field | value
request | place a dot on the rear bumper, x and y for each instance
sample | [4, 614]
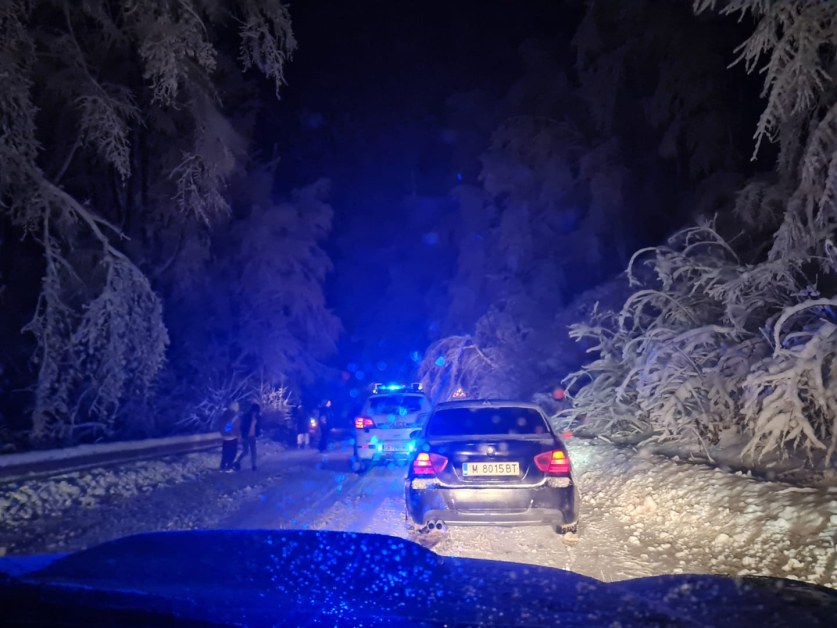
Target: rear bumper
[383, 445]
[372, 454]
[542, 505]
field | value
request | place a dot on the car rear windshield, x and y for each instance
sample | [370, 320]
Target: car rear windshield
[486, 421]
[398, 405]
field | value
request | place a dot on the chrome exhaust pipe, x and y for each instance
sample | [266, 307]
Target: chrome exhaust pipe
[431, 525]
[441, 526]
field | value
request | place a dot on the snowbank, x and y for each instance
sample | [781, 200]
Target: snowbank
[20, 502]
[730, 522]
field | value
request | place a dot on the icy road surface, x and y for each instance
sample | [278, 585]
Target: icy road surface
[639, 516]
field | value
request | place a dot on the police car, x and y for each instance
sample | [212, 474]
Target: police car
[382, 431]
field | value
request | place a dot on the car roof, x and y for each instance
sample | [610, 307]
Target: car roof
[398, 393]
[474, 404]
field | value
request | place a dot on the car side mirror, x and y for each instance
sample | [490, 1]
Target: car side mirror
[415, 434]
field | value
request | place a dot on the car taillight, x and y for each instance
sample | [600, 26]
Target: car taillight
[553, 462]
[429, 464]
[362, 422]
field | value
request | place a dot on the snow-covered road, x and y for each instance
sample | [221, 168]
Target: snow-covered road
[641, 516]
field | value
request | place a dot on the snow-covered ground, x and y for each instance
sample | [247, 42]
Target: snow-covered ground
[24, 501]
[641, 515]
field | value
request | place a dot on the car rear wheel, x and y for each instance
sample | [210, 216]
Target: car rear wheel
[359, 466]
[570, 529]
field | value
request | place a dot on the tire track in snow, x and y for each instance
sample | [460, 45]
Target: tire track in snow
[374, 504]
[601, 549]
[309, 487]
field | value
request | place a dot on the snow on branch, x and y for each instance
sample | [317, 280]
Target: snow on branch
[172, 42]
[798, 39]
[116, 141]
[753, 353]
[267, 40]
[456, 362]
[104, 125]
[94, 357]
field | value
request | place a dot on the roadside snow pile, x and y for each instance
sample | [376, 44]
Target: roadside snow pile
[26, 500]
[176, 493]
[20, 502]
[701, 518]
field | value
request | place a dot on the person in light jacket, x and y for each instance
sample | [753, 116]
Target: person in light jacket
[229, 425]
[303, 427]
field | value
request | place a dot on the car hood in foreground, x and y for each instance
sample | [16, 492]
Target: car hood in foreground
[235, 577]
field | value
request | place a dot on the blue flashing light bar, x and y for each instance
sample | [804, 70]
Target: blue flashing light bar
[394, 387]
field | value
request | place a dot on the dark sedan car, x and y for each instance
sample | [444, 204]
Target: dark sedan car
[490, 463]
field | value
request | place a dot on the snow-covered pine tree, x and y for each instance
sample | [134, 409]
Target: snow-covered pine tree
[259, 298]
[662, 367]
[741, 340]
[789, 395]
[113, 126]
[564, 162]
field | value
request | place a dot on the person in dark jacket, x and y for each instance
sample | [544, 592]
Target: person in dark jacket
[325, 416]
[229, 426]
[250, 429]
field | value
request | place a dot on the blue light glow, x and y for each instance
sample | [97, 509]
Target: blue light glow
[440, 361]
[431, 238]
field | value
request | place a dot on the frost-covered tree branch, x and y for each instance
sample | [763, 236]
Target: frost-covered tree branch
[114, 135]
[710, 345]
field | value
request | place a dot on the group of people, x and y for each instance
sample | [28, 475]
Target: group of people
[235, 427]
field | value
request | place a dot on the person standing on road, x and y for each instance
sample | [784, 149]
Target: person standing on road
[302, 427]
[325, 416]
[250, 429]
[230, 429]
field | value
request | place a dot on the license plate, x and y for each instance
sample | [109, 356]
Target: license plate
[490, 468]
[394, 448]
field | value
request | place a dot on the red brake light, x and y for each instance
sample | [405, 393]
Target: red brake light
[553, 462]
[362, 422]
[429, 464]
